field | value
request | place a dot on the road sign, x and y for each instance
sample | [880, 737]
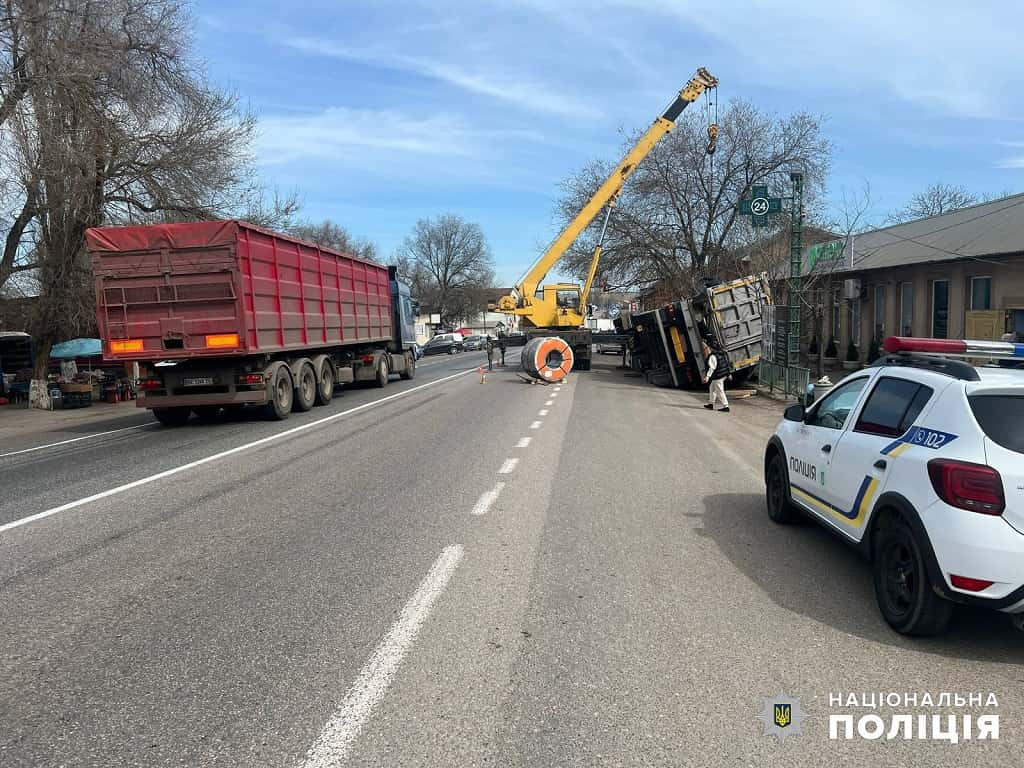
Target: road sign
[614, 311]
[759, 205]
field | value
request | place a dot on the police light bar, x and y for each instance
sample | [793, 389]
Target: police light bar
[1004, 350]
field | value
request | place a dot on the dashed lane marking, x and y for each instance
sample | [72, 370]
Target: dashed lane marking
[339, 735]
[487, 498]
[523, 442]
[542, 412]
[508, 467]
[535, 425]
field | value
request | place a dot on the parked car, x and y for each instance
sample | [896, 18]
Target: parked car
[473, 342]
[444, 343]
[516, 339]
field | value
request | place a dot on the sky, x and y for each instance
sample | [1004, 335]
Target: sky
[384, 112]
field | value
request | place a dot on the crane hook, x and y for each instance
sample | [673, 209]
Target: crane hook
[712, 138]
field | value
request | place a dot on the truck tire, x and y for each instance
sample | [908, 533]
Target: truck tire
[382, 373]
[324, 380]
[172, 417]
[305, 388]
[207, 414]
[410, 367]
[282, 393]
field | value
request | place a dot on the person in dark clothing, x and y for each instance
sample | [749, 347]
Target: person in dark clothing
[502, 343]
[489, 347]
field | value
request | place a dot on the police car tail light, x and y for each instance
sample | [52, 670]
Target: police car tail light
[969, 584]
[974, 487]
[1005, 350]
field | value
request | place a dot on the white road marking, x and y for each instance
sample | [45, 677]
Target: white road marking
[487, 498]
[221, 455]
[535, 425]
[554, 394]
[508, 466]
[550, 402]
[542, 412]
[523, 442]
[73, 440]
[339, 735]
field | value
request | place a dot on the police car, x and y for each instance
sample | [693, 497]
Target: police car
[917, 460]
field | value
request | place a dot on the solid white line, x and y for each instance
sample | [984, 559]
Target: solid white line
[487, 498]
[508, 466]
[72, 440]
[339, 735]
[523, 442]
[221, 455]
[550, 402]
[535, 425]
[542, 412]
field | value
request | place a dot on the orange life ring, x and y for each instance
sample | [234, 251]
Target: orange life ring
[548, 358]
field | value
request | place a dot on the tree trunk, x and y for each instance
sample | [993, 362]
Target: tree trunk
[39, 395]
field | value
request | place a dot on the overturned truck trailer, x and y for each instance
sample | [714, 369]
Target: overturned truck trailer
[667, 342]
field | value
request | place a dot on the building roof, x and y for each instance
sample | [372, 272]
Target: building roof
[995, 228]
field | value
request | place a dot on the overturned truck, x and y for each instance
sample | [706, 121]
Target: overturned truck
[667, 343]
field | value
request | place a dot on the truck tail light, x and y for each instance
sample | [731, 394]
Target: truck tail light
[125, 345]
[971, 585]
[367, 359]
[253, 379]
[222, 340]
[974, 487]
[147, 384]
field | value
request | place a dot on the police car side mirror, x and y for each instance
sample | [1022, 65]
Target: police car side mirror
[794, 412]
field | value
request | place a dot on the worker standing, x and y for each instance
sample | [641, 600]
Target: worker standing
[489, 347]
[502, 343]
[717, 370]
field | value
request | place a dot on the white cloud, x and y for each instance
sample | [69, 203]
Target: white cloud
[1016, 161]
[529, 94]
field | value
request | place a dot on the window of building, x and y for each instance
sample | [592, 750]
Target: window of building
[940, 309]
[906, 309]
[855, 321]
[879, 328]
[981, 293]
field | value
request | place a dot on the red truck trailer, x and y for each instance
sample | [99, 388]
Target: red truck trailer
[223, 314]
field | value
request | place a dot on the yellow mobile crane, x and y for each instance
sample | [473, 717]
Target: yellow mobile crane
[560, 308]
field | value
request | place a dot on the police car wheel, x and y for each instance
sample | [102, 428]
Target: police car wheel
[780, 506]
[902, 587]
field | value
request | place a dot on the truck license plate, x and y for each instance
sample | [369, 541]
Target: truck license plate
[199, 382]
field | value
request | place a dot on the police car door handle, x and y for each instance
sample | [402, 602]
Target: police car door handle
[880, 464]
[826, 448]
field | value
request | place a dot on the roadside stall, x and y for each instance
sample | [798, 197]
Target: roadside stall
[79, 376]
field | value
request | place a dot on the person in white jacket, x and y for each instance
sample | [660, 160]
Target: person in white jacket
[717, 370]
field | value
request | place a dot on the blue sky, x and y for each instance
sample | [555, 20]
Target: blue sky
[382, 112]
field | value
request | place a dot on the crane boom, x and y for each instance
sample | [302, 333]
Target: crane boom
[550, 309]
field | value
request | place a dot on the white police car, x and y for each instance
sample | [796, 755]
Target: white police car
[918, 461]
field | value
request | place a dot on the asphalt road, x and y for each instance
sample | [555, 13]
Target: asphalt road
[445, 572]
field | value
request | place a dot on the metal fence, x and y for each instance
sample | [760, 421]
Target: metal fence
[789, 381]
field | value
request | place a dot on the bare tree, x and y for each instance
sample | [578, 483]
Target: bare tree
[448, 264]
[678, 217]
[330, 234]
[107, 119]
[936, 199]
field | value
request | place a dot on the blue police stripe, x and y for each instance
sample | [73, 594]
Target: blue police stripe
[1018, 350]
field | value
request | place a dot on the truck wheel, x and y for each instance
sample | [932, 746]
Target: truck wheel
[325, 383]
[410, 367]
[172, 417]
[305, 389]
[281, 394]
[382, 373]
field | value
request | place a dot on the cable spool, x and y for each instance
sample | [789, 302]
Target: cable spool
[547, 358]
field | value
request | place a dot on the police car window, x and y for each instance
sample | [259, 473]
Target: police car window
[834, 409]
[889, 406]
[1002, 418]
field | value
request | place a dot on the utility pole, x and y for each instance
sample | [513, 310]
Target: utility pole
[795, 265]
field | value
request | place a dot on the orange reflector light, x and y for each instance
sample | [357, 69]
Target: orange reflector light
[126, 345]
[222, 340]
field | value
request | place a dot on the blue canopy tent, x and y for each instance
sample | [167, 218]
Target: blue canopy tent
[69, 350]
